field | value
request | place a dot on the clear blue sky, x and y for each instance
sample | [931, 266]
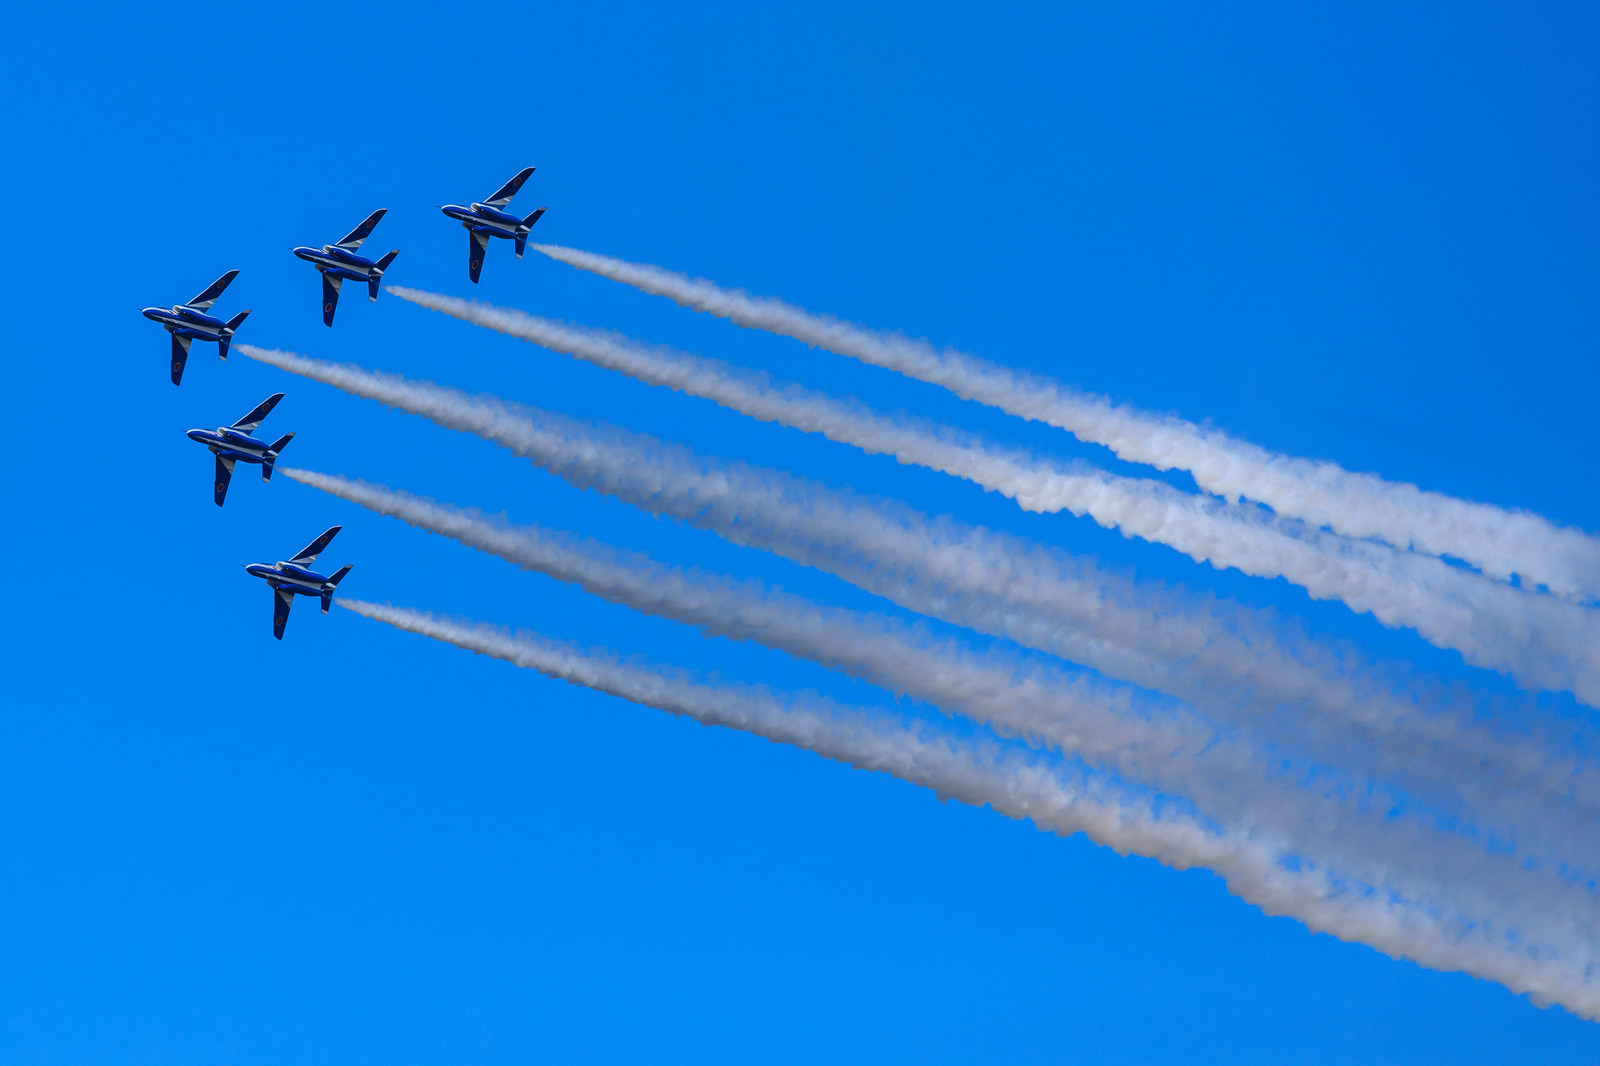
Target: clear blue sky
[1367, 233]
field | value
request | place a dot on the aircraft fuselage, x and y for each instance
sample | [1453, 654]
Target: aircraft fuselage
[230, 443]
[184, 321]
[331, 259]
[290, 577]
[483, 219]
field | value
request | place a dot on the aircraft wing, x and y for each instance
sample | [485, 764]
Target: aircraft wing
[480, 244]
[307, 555]
[508, 190]
[249, 422]
[330, 298]
[282, 600]
[180, 356]
[224, 475]
[353, 239]
[209, 296]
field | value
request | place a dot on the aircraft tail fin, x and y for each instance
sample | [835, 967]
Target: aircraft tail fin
[272, 455]
[327, 590]
[522, 231]
[232, 324]
[376, 277]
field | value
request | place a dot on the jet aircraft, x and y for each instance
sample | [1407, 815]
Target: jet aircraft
[234, 444]
[339, 262]
[189, 322]
[291, 576]
[486, 219]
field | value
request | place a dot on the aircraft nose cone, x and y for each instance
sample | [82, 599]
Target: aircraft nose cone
[197, 434]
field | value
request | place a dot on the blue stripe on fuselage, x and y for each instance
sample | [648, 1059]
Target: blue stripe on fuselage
[350, 259]
[340, 265]
[190, 324]
[234, 445]
[485, 220]
[286, 575]
[497, 217]
[202, 321]
[300, 573]
[239, 438]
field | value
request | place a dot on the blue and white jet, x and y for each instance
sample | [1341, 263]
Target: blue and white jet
[339, 262]
[189, 322]
[486, 219]
[235, 444]
[291, 576]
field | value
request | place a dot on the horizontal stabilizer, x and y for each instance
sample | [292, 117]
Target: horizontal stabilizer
[353, 239]
[180, 356]
[383, 264]
[504, 194]
[249, 422]
[281, 443]
[209, 295]
[224, 475]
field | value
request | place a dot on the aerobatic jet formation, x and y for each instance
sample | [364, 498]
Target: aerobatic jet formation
[289, 577]
[235, 444]
[487, 219]
[189, 322]
[339, 262]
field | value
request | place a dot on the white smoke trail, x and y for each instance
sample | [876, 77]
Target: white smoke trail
[1216, 657]
[1056, 800]
[1500, 542]
[1320, 815]
[1541, 641]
